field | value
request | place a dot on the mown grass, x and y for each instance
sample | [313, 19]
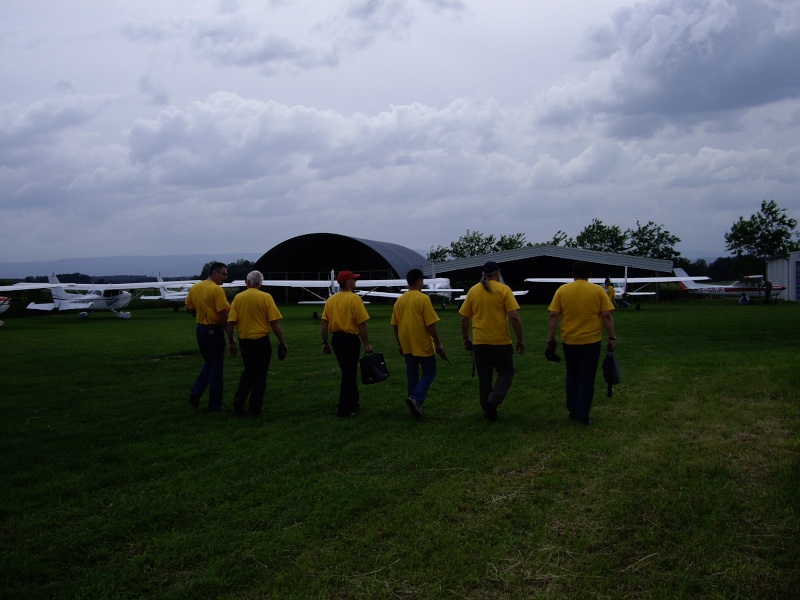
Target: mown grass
[686, 486]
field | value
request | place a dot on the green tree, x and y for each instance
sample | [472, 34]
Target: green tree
[766, 233]
[474, 243]
[600, 237]
[651, 241]
[438, 254]
[237, 269]
[561, 238]
[511, 242]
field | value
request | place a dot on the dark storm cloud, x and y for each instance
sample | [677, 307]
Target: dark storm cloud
[685, 63]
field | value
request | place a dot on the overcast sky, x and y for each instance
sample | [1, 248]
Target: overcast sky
[176, 127]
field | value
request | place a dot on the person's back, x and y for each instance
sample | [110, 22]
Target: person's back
[489, 312]
[580, 304]
[412, 313]
[206, 299]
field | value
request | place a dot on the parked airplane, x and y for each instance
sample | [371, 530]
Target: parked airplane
[88, 298]
[621, 283]
[752, 286]
[4, 304]
[174, 292]
[366, 287]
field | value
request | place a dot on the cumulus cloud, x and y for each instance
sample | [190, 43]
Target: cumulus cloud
[681, 113]
[674, 62]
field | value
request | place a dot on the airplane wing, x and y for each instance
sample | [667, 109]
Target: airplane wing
[85, 287]
[516, 293]
[601, 280]
[302, 283]
[34, 306]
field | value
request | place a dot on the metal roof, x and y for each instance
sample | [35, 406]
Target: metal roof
[400, 258]
[591, 256]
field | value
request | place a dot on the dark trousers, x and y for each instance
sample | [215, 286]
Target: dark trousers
[581, 362]
[347, 348]
[256, 356]
[211, 341]
[488, 359]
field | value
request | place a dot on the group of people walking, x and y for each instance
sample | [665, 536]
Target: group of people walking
[583, 310]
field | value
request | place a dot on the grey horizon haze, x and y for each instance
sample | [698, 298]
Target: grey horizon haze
[204, 127]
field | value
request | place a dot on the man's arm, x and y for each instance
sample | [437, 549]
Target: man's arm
[223, 320]
[432, 331]
[326, 349]
[516, 325]
[397, 337]
[362, 331]
[608, 323]
[276, 327]
[465, 323]
[552, 324]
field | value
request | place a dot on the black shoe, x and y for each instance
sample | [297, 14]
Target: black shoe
[345, 415]
[219, 408]
[586, 422]
[238, 406]
[494, 402]
[572, 415]
[490, 413]
[414, 406]
[194, 399]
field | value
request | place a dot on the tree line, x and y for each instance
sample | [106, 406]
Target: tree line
[768, 232]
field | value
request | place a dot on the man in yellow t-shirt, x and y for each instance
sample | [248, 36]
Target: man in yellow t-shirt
[610, 291]
[414, 322]
[489, 307]
[255, 315]
[584, 309]
[207, 301]
[345, 318]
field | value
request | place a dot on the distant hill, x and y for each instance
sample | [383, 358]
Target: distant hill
[172, 265]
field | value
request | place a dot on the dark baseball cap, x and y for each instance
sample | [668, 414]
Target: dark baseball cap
[490, 267]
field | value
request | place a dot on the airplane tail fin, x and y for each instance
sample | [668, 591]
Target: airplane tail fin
[686, 284]
[59, 293]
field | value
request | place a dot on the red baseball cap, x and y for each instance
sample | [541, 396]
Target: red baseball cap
[343, 276]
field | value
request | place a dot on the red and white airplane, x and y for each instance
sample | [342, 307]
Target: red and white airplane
[621, 284]
[752, 286]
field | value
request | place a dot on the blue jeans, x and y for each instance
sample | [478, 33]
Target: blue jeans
[418, 386]
[211, 340]
[581, 372]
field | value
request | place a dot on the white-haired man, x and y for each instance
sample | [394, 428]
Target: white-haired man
[255, 315]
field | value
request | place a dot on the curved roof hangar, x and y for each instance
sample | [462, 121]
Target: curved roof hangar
[314, 255]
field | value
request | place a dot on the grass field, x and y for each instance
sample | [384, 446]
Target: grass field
[686, 486]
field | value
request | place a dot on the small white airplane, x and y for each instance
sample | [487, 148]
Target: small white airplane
[621, 283]
[172, 291]
[87, 298]
[463, 297]
[752, 286]
[5, 303]
[366, 287]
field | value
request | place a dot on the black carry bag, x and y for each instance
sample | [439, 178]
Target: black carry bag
[373, 368]
[610, 372]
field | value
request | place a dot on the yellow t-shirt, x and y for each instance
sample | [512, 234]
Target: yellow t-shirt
[489, 312]
[611, 292]
[580, 303]
[344, 311]
[252, 310]
[207, 299]
[412, 314]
